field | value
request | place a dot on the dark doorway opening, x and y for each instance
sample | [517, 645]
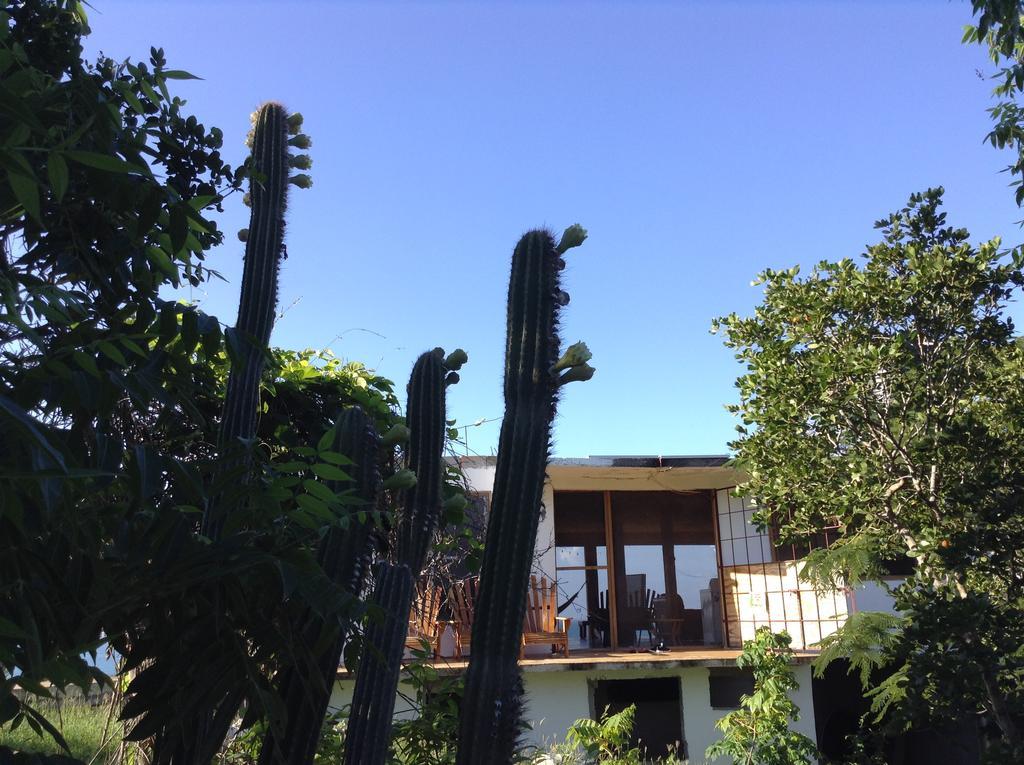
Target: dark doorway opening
[839, 709]
[658, 725]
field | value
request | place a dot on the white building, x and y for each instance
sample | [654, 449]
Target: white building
[657, 550]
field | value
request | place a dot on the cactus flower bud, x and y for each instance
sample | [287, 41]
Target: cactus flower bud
[247, 199]
[294, 123]
[301, 141]
[243, 235]
[456, 502]
[575, 355]
[563, 297]
[301, 180]
[577, 374]
[451, 378]
[456, 359]
[397, 434]
[571, 237]
[301, 162]
[403, 479]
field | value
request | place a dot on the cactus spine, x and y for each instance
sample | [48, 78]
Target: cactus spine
[373, 701]
[343, 555]
[491, 707]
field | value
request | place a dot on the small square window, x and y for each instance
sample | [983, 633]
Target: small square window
[727, 684]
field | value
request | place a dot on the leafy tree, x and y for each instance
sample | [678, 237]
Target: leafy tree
[103, 202]
[110, 398]
[999, 27]
[886, 397]
[758, 733]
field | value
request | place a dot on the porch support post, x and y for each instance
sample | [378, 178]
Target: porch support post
[613, 617]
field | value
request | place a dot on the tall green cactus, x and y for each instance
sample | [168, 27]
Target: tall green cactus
[373, 701]
[425, 418]
[269, 170]
[344, 555]
[491, 707]
[198, 740]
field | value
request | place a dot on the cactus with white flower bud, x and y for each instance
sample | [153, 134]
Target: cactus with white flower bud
[491, 707]
[373, 699]
[264, 249]
[397, 434]
[197, 739]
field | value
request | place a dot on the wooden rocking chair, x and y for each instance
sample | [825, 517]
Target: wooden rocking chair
[461, 603]
[542, 624]
[423, 622]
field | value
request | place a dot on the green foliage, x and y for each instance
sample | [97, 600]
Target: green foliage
[999, 28]
[533, 374]
[81, 725]
[244, 748]
[108, 185]
[758, 733]
[864, 639]
[428, 738]
[111, 399]
[885, 398]
[589, 742]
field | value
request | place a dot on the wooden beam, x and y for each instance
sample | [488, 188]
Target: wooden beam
[613, 619]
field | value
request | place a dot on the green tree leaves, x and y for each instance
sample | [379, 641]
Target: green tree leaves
[759, 734]
[884, 397]
[998, 27]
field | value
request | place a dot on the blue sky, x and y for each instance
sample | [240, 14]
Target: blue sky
[698, 142]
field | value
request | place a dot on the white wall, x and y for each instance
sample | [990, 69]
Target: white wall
[341, 698]
[544, 563]
[871, 596]
[481, 479]
[555, 700]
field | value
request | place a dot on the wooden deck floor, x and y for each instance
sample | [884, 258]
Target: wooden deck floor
[603, 659]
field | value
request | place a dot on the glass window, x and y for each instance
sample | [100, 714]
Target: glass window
[667, 569]
[581, 563]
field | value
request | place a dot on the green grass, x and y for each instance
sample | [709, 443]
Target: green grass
[80, 724]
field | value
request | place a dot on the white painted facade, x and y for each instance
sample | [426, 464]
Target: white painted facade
[556, 699]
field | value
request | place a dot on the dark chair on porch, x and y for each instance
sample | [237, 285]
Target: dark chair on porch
[668, 618]
[635, 616]
[674, 623]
